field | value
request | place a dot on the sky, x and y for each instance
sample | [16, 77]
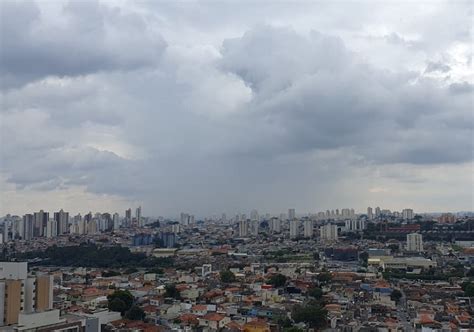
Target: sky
[208, 107]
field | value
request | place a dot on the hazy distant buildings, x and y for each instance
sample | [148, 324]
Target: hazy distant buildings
[414, 242]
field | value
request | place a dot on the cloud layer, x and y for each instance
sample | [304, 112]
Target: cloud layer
[111, 102]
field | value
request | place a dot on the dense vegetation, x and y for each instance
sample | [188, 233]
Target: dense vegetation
[311, 313]
[227, 276]
[89, 255]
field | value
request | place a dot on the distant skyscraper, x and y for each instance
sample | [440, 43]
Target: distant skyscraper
[370, 213]
[40, 222]
[28, 222]
[116, 221]
[407, 214]
[291, 214]
[329, 232]
[308, 228]
[184, 219]
[138, 215]
[377, 212]
[414, 242]
[275, 225]
[294, 228]
[243, 228]
[255, 227]
[62, 222]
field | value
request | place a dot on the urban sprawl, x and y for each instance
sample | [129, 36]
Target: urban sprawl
[336, 270]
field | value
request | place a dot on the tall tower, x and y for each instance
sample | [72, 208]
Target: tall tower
[370, 213]
[291, 214]
[415, 242]
[308, 228]
[243, 228]
[294, 228]
[62, 222]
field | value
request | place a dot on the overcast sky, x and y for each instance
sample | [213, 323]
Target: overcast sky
[225, 106]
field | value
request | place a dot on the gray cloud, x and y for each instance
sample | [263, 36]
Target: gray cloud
[271, 115]
[86, 38]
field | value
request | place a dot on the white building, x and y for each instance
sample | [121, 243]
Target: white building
[243, 228]
[407, 214]
[275, 225]
[308, 228]
[328, 232]
[415, 242]
[116, 221]
[294, 228]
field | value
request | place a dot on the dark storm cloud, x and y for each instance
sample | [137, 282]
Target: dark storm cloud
[86, 38]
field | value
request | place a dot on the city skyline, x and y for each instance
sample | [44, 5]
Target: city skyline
[208, 108]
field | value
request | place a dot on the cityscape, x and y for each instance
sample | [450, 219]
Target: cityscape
[236, 166]
[339, 269]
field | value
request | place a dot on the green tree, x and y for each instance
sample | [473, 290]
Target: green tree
[171, 291]
[227, 276]
[117, 305]
[277, 280]
[292, 329]
[396, 295]
[316, 292]
[120, 301]
[324, 277]
[313, 315]
[364, 258]
[135, 313]
[468, 289]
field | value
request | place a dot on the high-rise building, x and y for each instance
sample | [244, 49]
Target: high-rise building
[291, 214]
[370, 213]
[415, 242]
[40, 221]
[255, 227]
[294, 228]
[62, 221]
[328, 232]
[377, 212]
[116, 221]
[407, 214]
[308, 228]
[138, 215]
[128, 213]
[243, 228]
[28, 222]
[20, 293]
[275, 225]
